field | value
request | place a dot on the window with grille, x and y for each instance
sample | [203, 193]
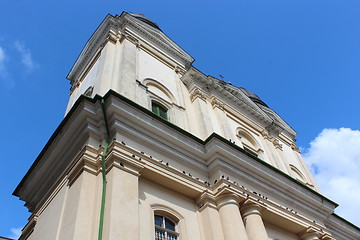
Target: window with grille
[165, 229]
[159, 110]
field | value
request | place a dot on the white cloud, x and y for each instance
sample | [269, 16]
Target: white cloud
[26, 58]
[2, 55]
[2, 62]
[16, 233]
[334, 158]
[4, 74]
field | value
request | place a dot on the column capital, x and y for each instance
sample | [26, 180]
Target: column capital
[327, 236]
[310, 234]
[250, 208]
[206, 199]
[254, 225]
[227, 198]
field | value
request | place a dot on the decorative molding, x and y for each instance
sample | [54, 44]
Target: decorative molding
[232, 98]
[227, 198]
[113, 36]
[197, 93]
[250, 208]
[207, 199]
[167, 210]
[295, 148]
[215, 103]
[29, 227]
[277, 144]
[266, 135]
[310, 233]
[274, 129]
[89, 160]
[179, 70]
[123, 26]
[273, 140]
[156, 36]
[326, 236]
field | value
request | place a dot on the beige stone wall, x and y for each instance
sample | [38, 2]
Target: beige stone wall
[143, 77]
[277, 233]
[154, 198]
[212, 190]
[50, 217]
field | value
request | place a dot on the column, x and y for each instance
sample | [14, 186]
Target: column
[211, 223]
[231, 221]
[253, 222]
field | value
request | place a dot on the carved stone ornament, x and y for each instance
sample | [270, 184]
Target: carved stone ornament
[215, 103]
[274, 129]
[277, 144]
[113, 36]
[266, 135]
[273, 140]
[295, 148]
[197, 93]
[179, 70]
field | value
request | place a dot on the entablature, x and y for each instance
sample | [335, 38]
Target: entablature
[178, 147]
[209, 87]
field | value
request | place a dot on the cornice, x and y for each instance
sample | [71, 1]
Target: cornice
[159, 39]
[126, 26]
[240, 167]
[279, 124]
[199, 153]
[194, 79]
[92, 45]
[341, 228]
[216, 103]
[197, 93]
[224, 191]
[29, 227]
[213, 87]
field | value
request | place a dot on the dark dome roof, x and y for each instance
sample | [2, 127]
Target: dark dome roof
[144, 19]
[253, 97]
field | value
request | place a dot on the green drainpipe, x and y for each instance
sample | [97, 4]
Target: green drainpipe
[103, 171]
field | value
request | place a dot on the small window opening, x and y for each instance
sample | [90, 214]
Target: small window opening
[159, 110]
[165, 229]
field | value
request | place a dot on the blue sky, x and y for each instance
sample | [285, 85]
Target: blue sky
[300, 57]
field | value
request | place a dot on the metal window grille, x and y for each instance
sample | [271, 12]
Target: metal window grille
[165, 229]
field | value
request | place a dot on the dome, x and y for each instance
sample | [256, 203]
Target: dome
[144, 19]
[253, 97]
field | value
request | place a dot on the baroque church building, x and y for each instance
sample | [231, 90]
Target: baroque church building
[152, 148]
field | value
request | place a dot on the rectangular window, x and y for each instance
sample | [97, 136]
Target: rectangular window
[159, 110]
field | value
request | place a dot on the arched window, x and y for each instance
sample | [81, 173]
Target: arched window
[298, 174]
[248, 142]
[165, 228]
[159, 110]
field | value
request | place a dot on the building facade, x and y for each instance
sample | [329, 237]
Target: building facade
[152, 148]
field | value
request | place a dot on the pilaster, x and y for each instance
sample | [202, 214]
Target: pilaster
[253, 222]
[222, 119]
[199, 100]
[121, 219]
[210, 218]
